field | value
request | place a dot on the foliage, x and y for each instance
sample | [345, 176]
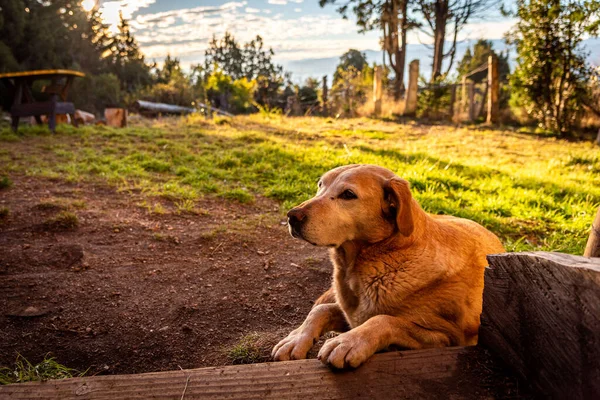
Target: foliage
[551, 77]
[393, 18]
[434, 101]
[60, 34]
[95, 92]
[25, 371]
[229, 94]
[172, 86]
[250, 61]
[351, 89]
[126, 60]
[536, 193]
[351, 58]
[479, 56]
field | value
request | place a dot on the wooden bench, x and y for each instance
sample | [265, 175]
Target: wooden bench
[540, 337]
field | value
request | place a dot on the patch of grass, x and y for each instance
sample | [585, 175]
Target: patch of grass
[24, 371]
[4, 212]
[249, 350]
[63, 221]
[5, 182]
[240, 195]
[535, 192]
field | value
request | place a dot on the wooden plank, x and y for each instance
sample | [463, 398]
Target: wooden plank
[451, 373]
[41, 73]
[592, 249]
[541, 315]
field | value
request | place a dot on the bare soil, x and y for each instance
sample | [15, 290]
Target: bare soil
[128, 290]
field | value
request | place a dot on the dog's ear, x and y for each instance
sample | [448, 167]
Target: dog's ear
[399, 201]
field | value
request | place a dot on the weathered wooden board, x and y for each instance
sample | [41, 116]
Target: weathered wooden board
[541, 315]
[451, 373]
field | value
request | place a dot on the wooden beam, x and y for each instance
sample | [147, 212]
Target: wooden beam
[592, 249]
[541, 315]
[450, 373]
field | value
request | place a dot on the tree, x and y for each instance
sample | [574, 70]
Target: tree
[392, 17]
[446, 18]
[551, 77]
[250, 61]
[351, 58]
[126, 60]
[481, 52]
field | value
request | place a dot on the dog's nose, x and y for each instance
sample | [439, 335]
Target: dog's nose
[295, 217]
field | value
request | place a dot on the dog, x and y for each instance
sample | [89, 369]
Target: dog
[402, 278]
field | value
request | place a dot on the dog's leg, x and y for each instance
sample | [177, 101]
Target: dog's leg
[321, 319]
[326, 298]
[354, 347]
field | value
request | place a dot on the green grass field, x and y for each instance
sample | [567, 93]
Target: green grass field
[537, 193]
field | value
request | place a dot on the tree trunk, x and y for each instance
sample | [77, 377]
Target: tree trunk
[439, 37]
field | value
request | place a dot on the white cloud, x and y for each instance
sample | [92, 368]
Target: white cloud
[297, 9]
[278, 2]
[185, 33]
[110, 10]
[297, 1]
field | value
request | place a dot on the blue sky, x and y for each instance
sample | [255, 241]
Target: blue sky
[295, 29]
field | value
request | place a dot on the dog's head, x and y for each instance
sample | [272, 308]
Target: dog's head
[365, 203]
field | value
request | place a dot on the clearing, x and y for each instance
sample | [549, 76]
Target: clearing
[163, 245]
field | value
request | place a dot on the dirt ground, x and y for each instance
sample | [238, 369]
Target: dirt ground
[131, 290]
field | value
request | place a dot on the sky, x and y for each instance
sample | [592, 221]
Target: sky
[295, 29]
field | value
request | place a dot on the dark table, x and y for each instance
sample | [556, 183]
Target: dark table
[23, 103]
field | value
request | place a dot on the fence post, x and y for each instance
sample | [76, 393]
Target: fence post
[493, 91]
[324, 95]
[471, 91]
[377, 90]
[410, 104]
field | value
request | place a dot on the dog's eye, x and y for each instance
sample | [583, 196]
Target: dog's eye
[348, 195]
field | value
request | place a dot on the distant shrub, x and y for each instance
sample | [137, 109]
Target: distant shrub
[178, 90]
[94, 93]
[227, 94]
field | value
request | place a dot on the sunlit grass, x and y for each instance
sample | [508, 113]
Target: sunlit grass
[537, 193]
[25, 371]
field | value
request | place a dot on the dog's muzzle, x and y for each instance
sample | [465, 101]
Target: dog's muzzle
[296, 219]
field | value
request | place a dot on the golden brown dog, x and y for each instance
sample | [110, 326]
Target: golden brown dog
[401, 276]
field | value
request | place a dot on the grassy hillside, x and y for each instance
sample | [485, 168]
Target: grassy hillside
[536, 193]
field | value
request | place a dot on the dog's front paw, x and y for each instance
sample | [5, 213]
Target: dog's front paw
[349, 349]
[294, 347]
